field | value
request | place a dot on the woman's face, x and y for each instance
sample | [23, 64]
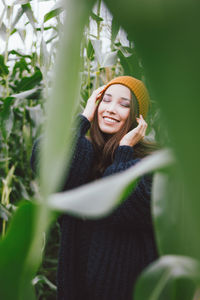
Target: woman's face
[114, 108]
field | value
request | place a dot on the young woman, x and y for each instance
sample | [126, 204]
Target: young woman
[101, 259]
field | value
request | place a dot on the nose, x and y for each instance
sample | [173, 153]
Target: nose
[111, 107]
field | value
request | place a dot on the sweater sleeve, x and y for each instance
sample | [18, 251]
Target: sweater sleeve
[81, 159]
[135, 210]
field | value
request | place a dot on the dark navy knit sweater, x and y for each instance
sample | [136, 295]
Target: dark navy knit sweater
[101, 259]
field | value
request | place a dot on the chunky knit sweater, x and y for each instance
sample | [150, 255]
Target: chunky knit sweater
[101, 259]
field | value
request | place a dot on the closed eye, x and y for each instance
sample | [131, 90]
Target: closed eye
[125, 104]
[105, 100]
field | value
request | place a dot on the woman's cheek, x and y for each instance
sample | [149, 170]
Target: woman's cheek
[101, 107]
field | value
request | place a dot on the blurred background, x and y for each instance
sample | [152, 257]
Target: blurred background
[29, 38]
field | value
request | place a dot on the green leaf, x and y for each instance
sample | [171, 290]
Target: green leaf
[96, 17]
[104, 59]
[114, 29]
[4, 213]
[28, 11]
[3, 31]
[90, 50]
[7, 118]
[160, 279]
[20, 2]
[126, 51]
[96, 199]
[13, 31]
[53, 13]
[97, 46]
[36, 114]
[109, 59]
[131, 64]
[9, 176]
[18, 16]
[14, 52]
[62, 102]
[26, 94]
[44, 279]
[3, 68]
[2, 15]
[31, 82]
[20, 65]
[21, 251]
[13, 253]
[51, 38]
[44, 55]
[169, 203]
[24, 193]
[2, 25]
[22, 33]
[47, 28]
[169, 46]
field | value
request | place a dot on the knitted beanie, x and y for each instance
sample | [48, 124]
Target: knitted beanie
[137, 87]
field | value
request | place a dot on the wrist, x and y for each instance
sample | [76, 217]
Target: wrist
[84, 113]
[125, 143]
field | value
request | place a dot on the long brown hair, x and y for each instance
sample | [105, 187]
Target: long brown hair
[105, 145]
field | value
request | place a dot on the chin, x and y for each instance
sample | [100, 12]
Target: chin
[109, 132]
[106, 130]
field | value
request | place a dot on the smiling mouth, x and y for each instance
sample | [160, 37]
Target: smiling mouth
[110, 120]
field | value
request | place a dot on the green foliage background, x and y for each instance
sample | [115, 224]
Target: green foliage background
[33, 100]
[25, 84]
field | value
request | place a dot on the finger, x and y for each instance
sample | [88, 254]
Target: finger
[140, 119]
[140, 130]
[142, 122]
[144, 131]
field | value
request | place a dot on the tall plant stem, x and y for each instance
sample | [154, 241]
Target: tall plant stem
[6, 152]
[6, 190]
[8, 31]
[87, 59]
[98, 22]
[98, 38]
[88, 65]
[4, 221]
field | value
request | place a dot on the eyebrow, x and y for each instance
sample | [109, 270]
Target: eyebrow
[121, 97]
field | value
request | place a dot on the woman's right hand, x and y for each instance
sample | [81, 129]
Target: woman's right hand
[92, 104]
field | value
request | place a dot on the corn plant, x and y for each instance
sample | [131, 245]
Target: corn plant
[166, 41]
[24, 80]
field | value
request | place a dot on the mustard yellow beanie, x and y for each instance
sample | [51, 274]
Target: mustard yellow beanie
[137, 87]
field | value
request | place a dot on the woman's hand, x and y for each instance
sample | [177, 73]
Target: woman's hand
[92, 104]
[135, 135]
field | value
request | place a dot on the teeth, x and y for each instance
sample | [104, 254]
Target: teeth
[110, 120]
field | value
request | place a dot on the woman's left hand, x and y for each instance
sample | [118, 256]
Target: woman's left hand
[135, 135]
